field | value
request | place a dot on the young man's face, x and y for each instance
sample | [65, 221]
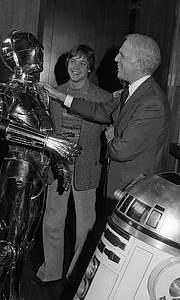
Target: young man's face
[126, 63]
[78, 68]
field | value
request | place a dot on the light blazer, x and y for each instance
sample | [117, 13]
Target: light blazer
[141, 132]
[87, 168]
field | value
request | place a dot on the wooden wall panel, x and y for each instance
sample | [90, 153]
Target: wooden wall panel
[100, 24]
[156, 18]
[19, 14]
[173, 90]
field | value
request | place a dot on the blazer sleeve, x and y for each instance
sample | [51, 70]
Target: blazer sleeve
[93, 111]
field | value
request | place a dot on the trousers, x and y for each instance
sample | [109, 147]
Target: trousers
[54, 226]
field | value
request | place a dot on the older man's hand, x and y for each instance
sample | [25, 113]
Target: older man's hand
[52, 91]
[109, 133]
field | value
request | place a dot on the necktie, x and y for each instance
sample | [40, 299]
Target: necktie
[124, 95]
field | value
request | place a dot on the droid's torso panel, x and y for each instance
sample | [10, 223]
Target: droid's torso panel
[25, 104]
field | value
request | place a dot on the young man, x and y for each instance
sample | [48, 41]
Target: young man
[138, 139]
[86, 170]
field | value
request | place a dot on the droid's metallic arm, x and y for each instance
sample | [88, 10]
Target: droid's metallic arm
[27, 136]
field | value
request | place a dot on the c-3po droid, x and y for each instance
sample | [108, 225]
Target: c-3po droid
[138, 254]
[26, 124]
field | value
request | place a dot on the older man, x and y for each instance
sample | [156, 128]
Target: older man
[138, 138]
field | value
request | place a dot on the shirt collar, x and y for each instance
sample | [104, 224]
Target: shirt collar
[136, 84]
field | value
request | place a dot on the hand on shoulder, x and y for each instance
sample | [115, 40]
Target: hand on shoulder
[52, 91]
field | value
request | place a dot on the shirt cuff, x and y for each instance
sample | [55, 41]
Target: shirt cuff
[68, 100]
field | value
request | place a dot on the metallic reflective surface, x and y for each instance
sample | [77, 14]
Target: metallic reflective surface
[26, 124]
[22, 49]
[138, 254]
[150, 211]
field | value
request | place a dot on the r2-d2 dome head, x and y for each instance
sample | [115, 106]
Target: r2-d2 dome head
[22, 51]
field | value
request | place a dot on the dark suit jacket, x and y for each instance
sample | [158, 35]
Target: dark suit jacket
[141, 132]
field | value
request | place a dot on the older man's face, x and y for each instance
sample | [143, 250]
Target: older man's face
[126, 63]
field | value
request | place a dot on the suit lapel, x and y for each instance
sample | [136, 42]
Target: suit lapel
[137, 94]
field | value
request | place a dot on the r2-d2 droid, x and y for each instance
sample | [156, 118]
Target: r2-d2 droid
[138, 254]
